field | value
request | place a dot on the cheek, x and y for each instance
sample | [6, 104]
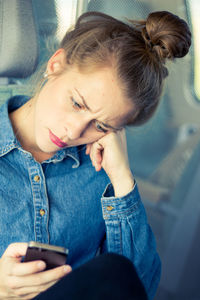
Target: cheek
[47, 111]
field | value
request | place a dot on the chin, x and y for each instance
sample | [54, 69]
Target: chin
[47, 148]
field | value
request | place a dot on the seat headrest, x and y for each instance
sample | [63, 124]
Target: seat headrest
[18, 38]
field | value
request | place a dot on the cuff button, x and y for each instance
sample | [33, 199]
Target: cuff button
[109, 207]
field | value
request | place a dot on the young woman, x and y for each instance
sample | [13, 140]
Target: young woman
[64, 170]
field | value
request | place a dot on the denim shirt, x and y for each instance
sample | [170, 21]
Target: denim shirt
[64, 201]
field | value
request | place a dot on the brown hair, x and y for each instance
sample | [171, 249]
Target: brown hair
[138, 50]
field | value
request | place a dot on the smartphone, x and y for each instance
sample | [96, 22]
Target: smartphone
[53, 256]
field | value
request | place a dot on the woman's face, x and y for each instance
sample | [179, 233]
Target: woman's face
[76, 108]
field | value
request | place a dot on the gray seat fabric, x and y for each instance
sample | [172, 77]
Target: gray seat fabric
[19, 50]
[133, 9]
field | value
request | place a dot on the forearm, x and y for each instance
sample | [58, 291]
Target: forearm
[123, 184]
[129, 234]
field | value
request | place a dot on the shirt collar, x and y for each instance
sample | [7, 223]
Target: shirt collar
[72, 152]
[8, 140]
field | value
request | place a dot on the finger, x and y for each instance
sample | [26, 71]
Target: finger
[88, 148]
[42, 278]
[27, 268]
[28, 296]
[96, 155]
[29, 291]
[16, 250]
[53, 274]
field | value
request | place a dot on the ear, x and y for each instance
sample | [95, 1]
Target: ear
[57, 62]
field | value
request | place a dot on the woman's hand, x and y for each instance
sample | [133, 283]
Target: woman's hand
[25, 280]
[110, 152]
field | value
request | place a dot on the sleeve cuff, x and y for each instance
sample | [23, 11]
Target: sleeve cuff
[114, 207]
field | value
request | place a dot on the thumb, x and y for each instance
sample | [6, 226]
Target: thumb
[16, 250]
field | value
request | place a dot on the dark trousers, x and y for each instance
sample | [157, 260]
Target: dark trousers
[106, 277]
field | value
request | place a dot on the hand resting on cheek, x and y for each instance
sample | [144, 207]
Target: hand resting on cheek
[110, 153]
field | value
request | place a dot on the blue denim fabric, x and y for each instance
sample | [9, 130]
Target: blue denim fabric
[64, 201]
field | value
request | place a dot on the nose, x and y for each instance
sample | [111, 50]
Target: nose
[76, 129]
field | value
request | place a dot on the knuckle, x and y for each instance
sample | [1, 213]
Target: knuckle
[112, 136]
[18, 292]
[38, 281]
[11, 283]
[39, 288]
[10, 246]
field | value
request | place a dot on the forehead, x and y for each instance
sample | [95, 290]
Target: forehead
[103, 93]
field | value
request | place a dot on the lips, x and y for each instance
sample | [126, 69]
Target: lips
[56, 140]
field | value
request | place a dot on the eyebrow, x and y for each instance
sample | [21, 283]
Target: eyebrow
[84, 102]
[89, 109]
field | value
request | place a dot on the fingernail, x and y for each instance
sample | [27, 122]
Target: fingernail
[67, 269]
[41, 265]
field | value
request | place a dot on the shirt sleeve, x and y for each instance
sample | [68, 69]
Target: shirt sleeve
[128, 233]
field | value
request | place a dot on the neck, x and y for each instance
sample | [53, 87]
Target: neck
[22, 123]
[22, 120]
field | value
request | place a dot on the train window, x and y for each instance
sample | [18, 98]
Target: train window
[66, 14]
[194, 13]
[52, 18]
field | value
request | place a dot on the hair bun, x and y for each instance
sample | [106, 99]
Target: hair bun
[167, 34]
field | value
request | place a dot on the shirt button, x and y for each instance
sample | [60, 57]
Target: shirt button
[109, 207]
[42, 212]
[36, 178]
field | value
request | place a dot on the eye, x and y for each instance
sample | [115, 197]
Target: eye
[75, 104]
[100, 128]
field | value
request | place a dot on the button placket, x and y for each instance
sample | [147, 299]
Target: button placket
[40, 200]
